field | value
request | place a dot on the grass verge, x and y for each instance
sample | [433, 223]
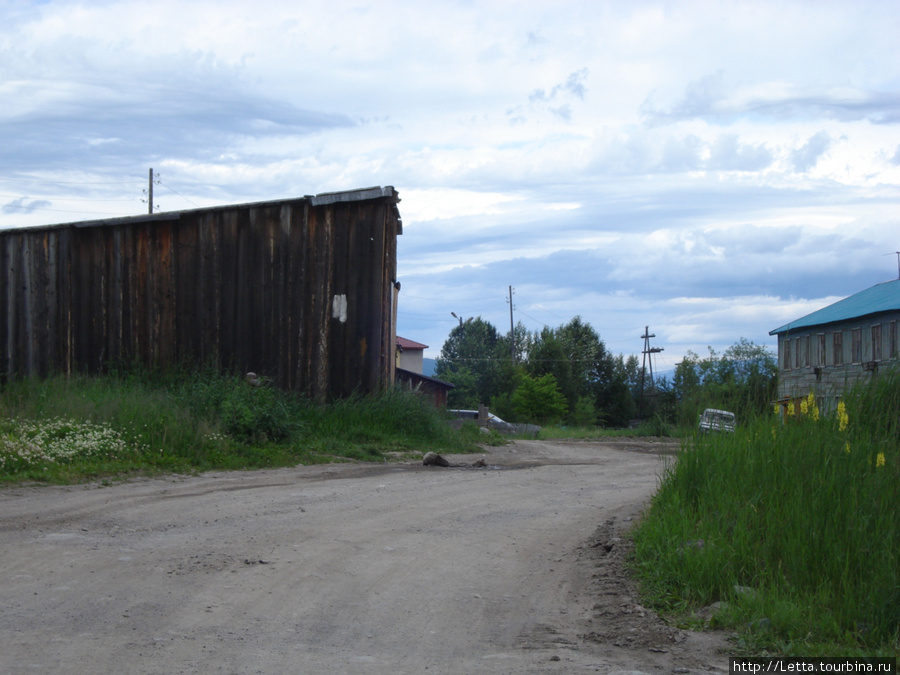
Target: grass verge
[788, 532]
[71, 429]
[655, 427]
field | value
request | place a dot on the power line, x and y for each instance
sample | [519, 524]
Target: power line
[494, 359]
[545, 325]
[71, 199]
[43, 208]
[154, 179]
[159, 181]
[436, 318]
[460, 300]
[68, 182]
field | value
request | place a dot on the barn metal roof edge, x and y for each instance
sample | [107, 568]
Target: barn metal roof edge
[883, 297]
[354, 195]
[321, 199]
[427, 378]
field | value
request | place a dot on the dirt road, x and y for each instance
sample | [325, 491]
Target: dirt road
[377, 569]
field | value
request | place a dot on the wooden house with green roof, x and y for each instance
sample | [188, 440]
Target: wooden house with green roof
[833, 348]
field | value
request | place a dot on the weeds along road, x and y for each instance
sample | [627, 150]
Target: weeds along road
[378, 569]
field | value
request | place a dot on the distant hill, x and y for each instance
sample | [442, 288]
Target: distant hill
[428, 367]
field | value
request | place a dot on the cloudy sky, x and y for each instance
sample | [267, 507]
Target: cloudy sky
[711, 170]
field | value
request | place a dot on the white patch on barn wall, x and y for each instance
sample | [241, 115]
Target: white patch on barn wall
[339, 308]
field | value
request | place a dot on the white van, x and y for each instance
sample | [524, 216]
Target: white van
[716, 420]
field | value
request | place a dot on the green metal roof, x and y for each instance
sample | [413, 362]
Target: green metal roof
[883, 297]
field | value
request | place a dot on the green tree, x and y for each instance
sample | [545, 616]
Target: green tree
[547, 356]
[464, 394]
[520, 338]
[743, 379]
[629, 370]
[588, 360]
[576, 356]
[584, 414]
[538, 399]
[585, 371]
[615, 403]
[596, 387]
[471, 359]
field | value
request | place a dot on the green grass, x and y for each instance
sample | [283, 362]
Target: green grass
[795, 526]
[70, 429]
[655, 427]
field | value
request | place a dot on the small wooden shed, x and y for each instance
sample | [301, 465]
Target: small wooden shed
[301, 291]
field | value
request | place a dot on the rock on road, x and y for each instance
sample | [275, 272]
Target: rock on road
[347, 568]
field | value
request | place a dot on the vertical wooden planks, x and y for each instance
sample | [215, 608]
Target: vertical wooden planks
[6, 316]
[321, 304]
[55, 338]
[300, 292]
[87, 310]
[281, 272]
[188, 290]
[375, 304]
[228, 283]
[65, 335]
[139, 292]
[166, 300]
[298, 297]
[209, 295]
[13, 322]
[28, 263]
[341, 222]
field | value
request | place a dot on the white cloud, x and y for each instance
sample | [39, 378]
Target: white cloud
[614, 160]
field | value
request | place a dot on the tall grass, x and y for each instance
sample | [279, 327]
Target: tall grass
[795, 525]
[656, 426]
[66, 429]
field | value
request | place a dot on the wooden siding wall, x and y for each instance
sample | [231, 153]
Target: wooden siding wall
[256, 287]
[826, 376]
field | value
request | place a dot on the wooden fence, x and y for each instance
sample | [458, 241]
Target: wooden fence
[300, 291]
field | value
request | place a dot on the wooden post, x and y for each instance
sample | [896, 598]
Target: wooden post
[482, 415]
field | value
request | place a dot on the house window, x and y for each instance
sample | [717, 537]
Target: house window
[856, 346]
[838, 345]
[807, 345]
[786, 344]
[820, 352]
[893, 339]
[796, 352]
[876, 342]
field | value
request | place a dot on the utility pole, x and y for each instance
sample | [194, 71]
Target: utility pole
[512, 329]
[648, 352]
[149, 191]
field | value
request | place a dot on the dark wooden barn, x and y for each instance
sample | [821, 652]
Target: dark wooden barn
[300, 291]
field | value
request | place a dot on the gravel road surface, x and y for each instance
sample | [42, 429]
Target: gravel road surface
[515, 567]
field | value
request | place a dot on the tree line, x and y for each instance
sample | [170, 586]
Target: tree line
[567, 375]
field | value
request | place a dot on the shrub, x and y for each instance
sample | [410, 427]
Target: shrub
[538, 399]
